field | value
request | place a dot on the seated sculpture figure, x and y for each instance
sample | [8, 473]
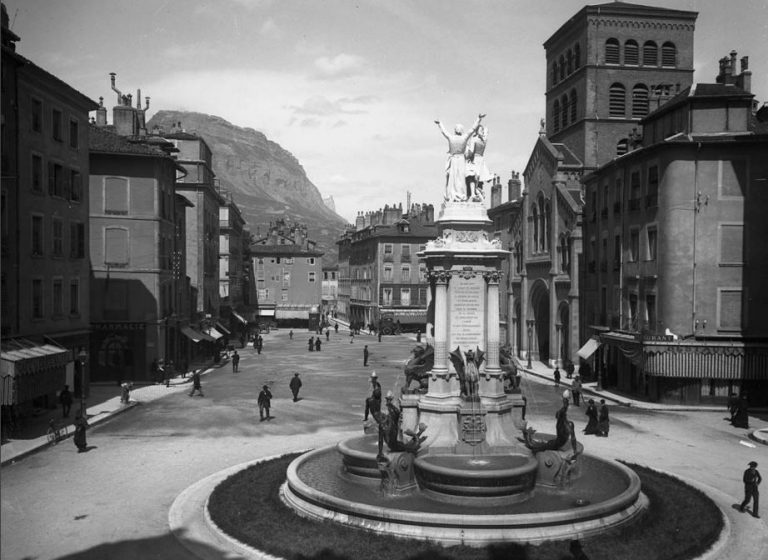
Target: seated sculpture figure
[469, 372]
[562, 433]
[419, 366]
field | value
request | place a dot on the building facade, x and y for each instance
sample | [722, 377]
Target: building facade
[386, 281]
[288, 270]
[233, 284]
[674, 249]
[330, 291]
[45, 265]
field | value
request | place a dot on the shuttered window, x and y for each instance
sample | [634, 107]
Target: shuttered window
[631, 52]
[616, 100]
[612, 51]
[639, 100]
[650, 54]
[116, 246]
[731, 244]
[729, 309]
[116, 195]
[668, 54]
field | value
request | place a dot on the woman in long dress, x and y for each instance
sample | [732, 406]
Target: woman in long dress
[81, 424]
[455, 167]
[591, 413]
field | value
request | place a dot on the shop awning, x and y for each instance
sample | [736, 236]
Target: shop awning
[266, 312]
[588, 349]
[701, 361]
[239, 317]
[195, 336]
[411, 315]
[223, 329]
[28, 370]
[214, 334]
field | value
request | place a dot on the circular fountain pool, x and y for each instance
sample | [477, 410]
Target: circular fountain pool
[319, 485]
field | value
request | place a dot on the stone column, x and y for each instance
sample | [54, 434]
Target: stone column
[441, 322]
[492, 324]
[430, 339]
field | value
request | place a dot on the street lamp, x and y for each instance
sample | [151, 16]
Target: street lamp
[82, 357]
[530, 340]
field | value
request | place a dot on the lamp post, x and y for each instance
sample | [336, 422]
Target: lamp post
[530, 323]
[82, 357]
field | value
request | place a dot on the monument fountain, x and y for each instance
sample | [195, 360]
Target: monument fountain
[460, 464]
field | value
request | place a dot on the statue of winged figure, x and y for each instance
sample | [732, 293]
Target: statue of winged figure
[469, 371]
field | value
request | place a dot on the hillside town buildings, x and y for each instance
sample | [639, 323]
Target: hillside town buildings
[380, 277]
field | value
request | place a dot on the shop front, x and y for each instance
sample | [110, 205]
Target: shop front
[118, 352]
[31, 374]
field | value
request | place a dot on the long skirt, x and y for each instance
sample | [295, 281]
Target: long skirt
[456, 178]
[79, 438]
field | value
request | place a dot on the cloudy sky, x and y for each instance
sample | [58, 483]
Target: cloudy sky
[351, 88]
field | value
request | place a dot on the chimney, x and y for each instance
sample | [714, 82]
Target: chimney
[514, 186]
[495, 193]
[744, 80]
[101, 113]
[359, 221]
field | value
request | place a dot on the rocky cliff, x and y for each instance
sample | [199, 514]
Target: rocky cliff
[265, 180]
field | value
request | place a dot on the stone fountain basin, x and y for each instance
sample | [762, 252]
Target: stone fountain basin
[498, 479]
[317, 487]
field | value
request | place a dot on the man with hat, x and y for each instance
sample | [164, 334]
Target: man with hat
[751, 479]
[295, 385]
[264, 400]
[373, 403]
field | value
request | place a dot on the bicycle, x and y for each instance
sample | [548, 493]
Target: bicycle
[55, 433]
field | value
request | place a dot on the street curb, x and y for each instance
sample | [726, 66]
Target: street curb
[95, 420]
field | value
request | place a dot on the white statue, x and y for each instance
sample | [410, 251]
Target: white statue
[455, 167]
[477, 170]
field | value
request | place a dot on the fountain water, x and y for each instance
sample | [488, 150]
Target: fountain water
[469, 471]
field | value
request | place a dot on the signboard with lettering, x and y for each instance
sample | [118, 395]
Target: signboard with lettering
[466, 312]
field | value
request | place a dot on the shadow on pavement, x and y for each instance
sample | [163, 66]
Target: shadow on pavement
[165, 547]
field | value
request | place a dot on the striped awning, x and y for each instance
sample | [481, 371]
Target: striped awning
[703, 362]
[222, 328]
[214, 334]
[239, 317]
[195, 336]
[588, 349]
[29, 370]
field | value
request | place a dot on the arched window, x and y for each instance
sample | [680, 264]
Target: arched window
[564, 254]
[546, 228]
[576, 56]
[569, 59]
[621, 147]
[554, 73]
[650, 54]
[573, 101]
[562, 67]
[612, 51]
[668, 54]
[564, 109]
[616, 100]
[639, 100]
[535, 214]
[556, 114]
[631, 52]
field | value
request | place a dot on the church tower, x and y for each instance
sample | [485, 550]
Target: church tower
[608, 67]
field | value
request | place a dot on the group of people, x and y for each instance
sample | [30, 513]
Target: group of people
[738, 408]
[314, 344]
[598, 422]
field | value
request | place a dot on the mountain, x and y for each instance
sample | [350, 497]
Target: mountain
[266, 180]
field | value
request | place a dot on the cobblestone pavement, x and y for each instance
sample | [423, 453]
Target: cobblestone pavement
[113, 501]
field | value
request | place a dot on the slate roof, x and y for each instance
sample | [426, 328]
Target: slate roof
[103, 140]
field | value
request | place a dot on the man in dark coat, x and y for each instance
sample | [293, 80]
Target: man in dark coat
[373, 403]
[264, 401]
[603, 423]
[327, 335]
[311, 344]
[576, 389]
[235, 362]
[365, 355]
[336, 328]
[65, 398]
[751, 479]
[741, 418]
[295, 385]
[557, 377]
[81, 424]
[196, 386]
[591, 413]
[317, 344]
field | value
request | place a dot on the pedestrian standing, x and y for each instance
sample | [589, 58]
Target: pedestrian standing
[264, 401]
[365, 355]
[290, 334]
[327, 335]
[317, 344]
[603, 423]
[235, 362]
[153, 368]
[751, 480]
[125, 392]
[336, 328]
[65, 398]
[592, 415]
[557, 378]
[260, 341]
[741, 417]
[81, 424]
[351, 336]
[379, 336]
[196, 386]
[295, 385]
[311, 346]
[576, 389]
[418, 335]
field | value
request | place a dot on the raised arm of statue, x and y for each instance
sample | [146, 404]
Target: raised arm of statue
[442, 129]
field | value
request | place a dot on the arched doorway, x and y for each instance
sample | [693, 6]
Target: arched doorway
[539, 305]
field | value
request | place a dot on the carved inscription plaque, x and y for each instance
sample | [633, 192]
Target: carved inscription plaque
[466, 312]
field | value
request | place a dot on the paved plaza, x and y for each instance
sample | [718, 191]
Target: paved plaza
[114, 501]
